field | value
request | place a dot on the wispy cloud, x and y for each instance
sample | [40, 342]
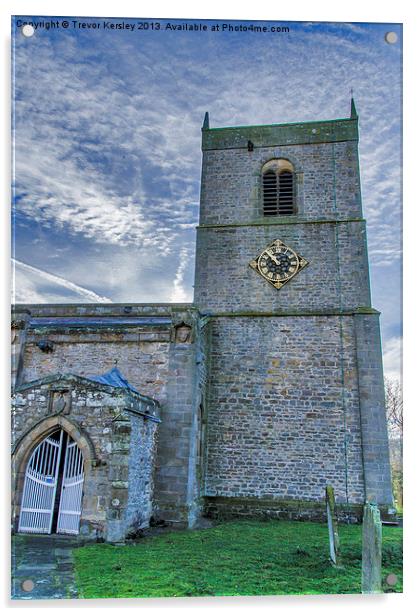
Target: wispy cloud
[24, 292]
[82, 148]
[179, 293]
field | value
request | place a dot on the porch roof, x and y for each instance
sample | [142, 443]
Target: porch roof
[114, 378]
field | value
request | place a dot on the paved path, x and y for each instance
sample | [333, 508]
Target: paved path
[47, 562]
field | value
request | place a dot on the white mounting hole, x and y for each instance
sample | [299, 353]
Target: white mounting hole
[391, 37]
[28, 30]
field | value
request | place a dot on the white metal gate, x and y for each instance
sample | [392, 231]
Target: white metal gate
[40, 486]
[71, 491]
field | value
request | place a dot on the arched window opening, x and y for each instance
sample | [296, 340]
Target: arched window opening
[278, 188]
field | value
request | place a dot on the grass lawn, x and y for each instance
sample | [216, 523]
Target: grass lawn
[233, 558]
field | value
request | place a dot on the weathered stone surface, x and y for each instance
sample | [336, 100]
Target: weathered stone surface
[280, 134]
[372, 550]
[231, 189]
[332, 520]
[377, 470]
[329, 282]
[280, 422]
[222, 507]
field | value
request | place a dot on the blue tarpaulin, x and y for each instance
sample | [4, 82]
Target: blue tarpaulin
[115, 378]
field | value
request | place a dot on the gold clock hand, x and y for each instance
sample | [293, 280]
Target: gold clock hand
[273, 258]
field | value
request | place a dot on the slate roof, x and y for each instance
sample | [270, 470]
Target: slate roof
[114, 378]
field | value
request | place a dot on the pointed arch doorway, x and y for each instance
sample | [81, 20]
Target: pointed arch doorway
[53, 487]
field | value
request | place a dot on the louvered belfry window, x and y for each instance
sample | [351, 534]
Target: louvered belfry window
[278, 192]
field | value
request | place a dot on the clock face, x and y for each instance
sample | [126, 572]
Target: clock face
[278, 263]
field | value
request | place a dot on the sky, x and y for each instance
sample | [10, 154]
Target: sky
[107, 135]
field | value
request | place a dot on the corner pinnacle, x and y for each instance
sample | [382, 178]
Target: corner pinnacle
[353, 112]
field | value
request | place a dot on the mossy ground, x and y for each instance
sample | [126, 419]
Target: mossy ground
[233, 558]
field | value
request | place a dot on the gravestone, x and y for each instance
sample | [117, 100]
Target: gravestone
[332, 526]
[372, 550]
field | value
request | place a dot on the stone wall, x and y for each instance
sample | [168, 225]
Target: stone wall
[18, 339]
[181, 448]
[141, 460]
[327, 182]
[283, 413]
[376, 458]
[327, 230]
[141, 355]
[223, 508]
[335, 277]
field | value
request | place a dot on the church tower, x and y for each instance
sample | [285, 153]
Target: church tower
[295, 397]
